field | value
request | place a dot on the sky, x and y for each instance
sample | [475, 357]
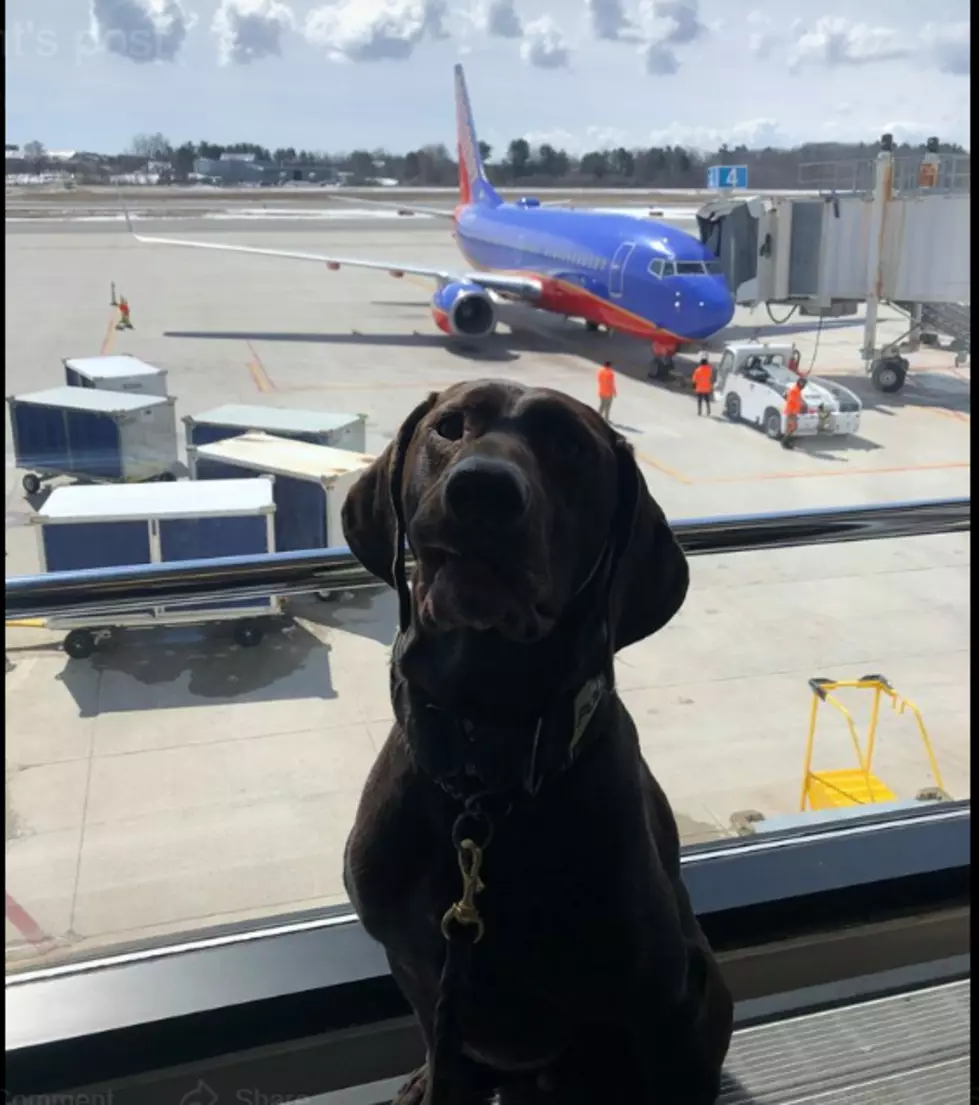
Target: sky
[581, 74]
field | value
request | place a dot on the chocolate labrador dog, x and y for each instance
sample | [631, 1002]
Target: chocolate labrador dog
[539, 553]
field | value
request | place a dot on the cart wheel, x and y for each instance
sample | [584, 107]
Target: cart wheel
[772, 424]
[167, 477]
[79, 644]
[732, 406]
[326, 596]
[32, 483]
[247, 634]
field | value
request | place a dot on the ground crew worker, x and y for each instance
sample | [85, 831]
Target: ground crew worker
[794, 406]
[606, 390]
[124, 322]
[703, 384]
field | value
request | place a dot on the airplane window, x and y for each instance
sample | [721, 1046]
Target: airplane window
[656, 267]
[690, 268]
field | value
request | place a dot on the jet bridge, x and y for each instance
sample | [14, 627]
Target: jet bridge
[826, 255]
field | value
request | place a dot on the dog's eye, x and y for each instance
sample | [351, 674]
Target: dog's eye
[451, 425]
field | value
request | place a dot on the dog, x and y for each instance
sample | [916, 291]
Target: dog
[539, 553]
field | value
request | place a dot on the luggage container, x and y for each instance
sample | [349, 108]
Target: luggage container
[121, 526]
[311, 482]
[105, 436]
[340, 431]
[119, 372]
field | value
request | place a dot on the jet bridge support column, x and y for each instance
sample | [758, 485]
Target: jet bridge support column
[887, 369]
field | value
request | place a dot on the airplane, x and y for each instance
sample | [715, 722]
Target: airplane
[636, 276]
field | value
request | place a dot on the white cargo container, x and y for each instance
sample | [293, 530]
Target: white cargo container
[116, 372]
[97, 435]
[311, 482]
[124, 525]
[338, 430]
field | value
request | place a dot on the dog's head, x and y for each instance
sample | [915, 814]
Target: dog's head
[514, 501]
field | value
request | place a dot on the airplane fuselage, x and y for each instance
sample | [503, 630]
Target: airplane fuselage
[635, 275]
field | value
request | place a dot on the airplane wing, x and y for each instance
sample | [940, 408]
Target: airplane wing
[516, 287]
[401, 208]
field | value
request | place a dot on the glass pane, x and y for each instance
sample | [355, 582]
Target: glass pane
[179, 773]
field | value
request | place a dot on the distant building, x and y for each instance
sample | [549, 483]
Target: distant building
[246, 168]
[318, 173]
[235, 169]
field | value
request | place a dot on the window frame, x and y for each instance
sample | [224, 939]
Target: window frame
[831, 908]
[793, 899]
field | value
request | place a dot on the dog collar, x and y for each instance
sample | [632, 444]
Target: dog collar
[494, 757]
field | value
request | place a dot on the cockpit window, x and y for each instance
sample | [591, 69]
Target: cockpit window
[669, 269]
[690, 268]
[656, 267]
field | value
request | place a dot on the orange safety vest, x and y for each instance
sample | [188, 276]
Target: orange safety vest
[703, 379]
[794, 403]
[606, 383]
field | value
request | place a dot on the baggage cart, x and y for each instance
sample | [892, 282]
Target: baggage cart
[117, 372]
[104, 436]
[105, 526]
[311, 483]
[341, 431]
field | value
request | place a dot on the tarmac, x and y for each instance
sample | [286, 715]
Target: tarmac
[174, 782]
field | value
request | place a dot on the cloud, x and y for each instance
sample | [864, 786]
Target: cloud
[609, 21]
[667, 24]
[140, 30]
[591, 138]
[544, 47]
[753, 133]
[950, 47]
[499, 18]
[762, 39]
[835, 41]
[248, 30]
[374, 30]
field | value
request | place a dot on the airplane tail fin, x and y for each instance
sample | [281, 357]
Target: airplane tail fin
[474, 185]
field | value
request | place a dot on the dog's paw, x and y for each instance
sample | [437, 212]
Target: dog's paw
[415, 1090]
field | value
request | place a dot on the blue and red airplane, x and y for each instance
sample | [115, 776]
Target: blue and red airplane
[630, 274]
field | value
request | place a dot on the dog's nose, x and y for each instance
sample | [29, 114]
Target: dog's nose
[485, 489]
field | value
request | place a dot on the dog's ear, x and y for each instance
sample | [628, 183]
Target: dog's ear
[369, 518]
[650, 574]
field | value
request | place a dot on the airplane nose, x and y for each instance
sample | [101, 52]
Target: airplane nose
[709, 309]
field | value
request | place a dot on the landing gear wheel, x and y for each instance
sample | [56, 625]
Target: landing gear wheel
[661, 368]
[732, 406]
[247, 634]
[771, 423]
[591, 327]
[79, 644]
[31, 483]
[888, 374]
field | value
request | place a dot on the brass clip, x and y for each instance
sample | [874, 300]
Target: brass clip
[464, 911]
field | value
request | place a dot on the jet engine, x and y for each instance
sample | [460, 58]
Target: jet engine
[464, 310]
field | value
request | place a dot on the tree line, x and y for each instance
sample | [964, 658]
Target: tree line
[524, 165]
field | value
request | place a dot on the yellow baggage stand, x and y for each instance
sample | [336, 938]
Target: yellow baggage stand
[858, 786]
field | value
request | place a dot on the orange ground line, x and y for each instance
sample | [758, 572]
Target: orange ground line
[665, 469]
[262, 379]
[937, 467]
[109, 335]
[375, 385]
